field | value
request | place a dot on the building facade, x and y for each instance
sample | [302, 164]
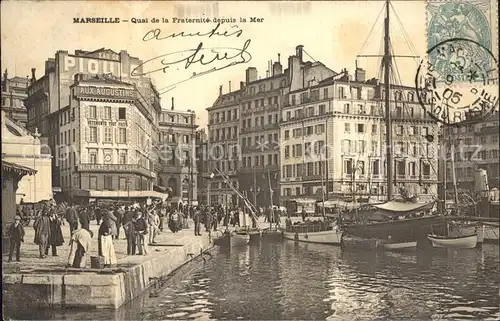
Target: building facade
[178, 165]
[100, 115]
[334, 141]
[475, 146]
[202, 166]
[104, 144]
[223, 150]
[259, 102]
[27, 150]
[14, 91]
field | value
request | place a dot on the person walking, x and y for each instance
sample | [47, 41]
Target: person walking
[214, 221]
[141, 229]
[16, 236]
[72, 218]
[196, 219]
[55, 236]
[154, 222]
[304, 215]
[42, 233]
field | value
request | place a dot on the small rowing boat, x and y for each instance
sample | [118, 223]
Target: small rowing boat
[456, 242]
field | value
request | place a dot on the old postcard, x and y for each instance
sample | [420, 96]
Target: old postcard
[167, 160]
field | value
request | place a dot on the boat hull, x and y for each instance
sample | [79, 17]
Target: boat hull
[491, 234]
[333, 237]
[240, 239]
[403, 246]
[224, 239]
[350, 242]
[463, 242]
[399, 231]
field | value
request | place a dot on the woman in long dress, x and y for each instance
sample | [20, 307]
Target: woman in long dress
[106, 247]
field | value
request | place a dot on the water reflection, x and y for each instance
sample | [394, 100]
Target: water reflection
[285, 280]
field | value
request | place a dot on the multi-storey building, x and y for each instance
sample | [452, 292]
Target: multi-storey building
[333, 135]
[259, 102]
[223, 149]
[475, 146]
[60, 104]
[202, 166]
[177, 154]
[104, 140]
[14, 91]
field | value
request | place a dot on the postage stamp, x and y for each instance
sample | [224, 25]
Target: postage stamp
[457, 81]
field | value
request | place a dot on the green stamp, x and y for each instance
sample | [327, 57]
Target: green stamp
[449, 20]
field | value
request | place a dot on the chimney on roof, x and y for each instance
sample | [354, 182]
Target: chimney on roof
[172, 107]
[33, 78]
[242, 84]
[298, 52]
[279, 57]
[230, 86]
[220, 90]
[359, 74]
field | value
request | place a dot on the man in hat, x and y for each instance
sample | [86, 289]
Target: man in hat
[129, 229]
[72, 218]
[141, 229]
[16, 235]
[42, 232]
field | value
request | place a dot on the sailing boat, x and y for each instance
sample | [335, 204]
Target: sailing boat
[393, 225]
[322, 231]
[245, 234]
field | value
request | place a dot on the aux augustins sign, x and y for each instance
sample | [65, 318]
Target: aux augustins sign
[107, 92]
[70, 65]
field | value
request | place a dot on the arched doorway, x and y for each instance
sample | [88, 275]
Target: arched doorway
[172, 183]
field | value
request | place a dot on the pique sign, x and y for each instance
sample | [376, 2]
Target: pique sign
[88, 91]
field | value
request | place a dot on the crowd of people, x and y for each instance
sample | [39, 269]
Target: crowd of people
[141, 225]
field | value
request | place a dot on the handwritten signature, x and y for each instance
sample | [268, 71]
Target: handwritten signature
[202, 56]
[156, 34]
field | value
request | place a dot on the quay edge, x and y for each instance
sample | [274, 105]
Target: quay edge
[96, 290]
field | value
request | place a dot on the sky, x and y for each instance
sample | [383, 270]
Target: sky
[333, 33]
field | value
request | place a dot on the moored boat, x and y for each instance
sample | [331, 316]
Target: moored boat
[398, 246]
[222, 238]
[332, 236]
[320, 231]
[456, 242]
[351, 242]
[240, 238]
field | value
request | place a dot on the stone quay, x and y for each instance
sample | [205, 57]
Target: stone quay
[46, 283]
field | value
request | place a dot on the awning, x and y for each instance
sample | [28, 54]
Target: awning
[18, 169]
[402, 208]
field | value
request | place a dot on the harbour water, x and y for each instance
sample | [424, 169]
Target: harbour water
[284, 280]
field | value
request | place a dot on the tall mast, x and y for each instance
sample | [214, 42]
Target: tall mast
[388, 123]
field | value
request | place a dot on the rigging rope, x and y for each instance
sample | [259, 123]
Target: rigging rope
[371, 30]
[308, 55]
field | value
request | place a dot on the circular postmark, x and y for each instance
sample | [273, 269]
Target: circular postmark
[457, 84]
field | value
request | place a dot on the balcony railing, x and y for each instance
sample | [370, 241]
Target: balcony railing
[116, 168]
